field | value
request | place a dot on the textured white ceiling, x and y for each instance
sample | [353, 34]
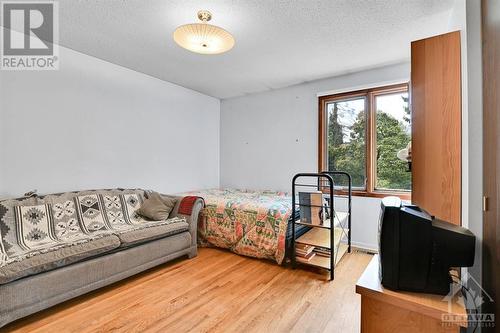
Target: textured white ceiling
[278, 43]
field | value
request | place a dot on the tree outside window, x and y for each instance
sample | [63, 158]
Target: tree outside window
[362, 133]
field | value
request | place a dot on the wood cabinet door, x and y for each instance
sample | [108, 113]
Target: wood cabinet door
[436, 125]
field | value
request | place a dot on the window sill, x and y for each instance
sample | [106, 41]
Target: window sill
[377, 194]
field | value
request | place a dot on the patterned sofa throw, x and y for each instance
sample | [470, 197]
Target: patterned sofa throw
[37, 225]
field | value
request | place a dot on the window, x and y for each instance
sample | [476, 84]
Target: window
[361, 133]
[346, 149]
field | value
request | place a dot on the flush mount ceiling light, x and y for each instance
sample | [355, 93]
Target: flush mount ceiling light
[202, 37]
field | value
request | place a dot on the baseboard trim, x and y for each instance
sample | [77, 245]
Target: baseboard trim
[364, 247]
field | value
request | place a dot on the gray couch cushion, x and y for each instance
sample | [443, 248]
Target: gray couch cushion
[151, 232]
[57, 258]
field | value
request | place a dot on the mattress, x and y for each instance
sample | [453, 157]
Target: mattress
[250, 223]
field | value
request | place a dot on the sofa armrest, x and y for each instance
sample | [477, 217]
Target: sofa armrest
[192, 219]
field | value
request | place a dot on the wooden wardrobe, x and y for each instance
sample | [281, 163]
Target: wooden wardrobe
[436, 125]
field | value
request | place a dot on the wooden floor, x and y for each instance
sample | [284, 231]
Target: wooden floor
[214, 292]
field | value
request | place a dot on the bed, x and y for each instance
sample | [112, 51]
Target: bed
[250, 223]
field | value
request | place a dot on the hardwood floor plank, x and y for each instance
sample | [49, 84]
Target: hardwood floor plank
[217, 291]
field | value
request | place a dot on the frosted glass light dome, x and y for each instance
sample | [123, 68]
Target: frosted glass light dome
[202, 37]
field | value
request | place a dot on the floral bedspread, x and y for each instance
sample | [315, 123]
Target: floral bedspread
[250, 223]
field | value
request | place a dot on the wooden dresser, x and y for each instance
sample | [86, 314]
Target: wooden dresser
[384, 311]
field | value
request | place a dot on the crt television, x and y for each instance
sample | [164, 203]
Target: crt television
[417, 250]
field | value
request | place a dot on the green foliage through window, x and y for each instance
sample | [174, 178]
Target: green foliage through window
[347, 140]
[393, 134]
[346, 135]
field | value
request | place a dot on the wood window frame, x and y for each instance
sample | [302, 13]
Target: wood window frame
[371, 133]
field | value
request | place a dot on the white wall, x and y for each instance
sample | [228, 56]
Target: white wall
[266, 138]
[475, 128]
[93, 124]
[466, 17]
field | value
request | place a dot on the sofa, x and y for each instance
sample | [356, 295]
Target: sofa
[59, 246]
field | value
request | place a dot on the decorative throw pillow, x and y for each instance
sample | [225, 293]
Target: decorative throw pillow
[156, 207]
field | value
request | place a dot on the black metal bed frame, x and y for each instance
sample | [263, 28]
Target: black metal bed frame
[328, 177]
